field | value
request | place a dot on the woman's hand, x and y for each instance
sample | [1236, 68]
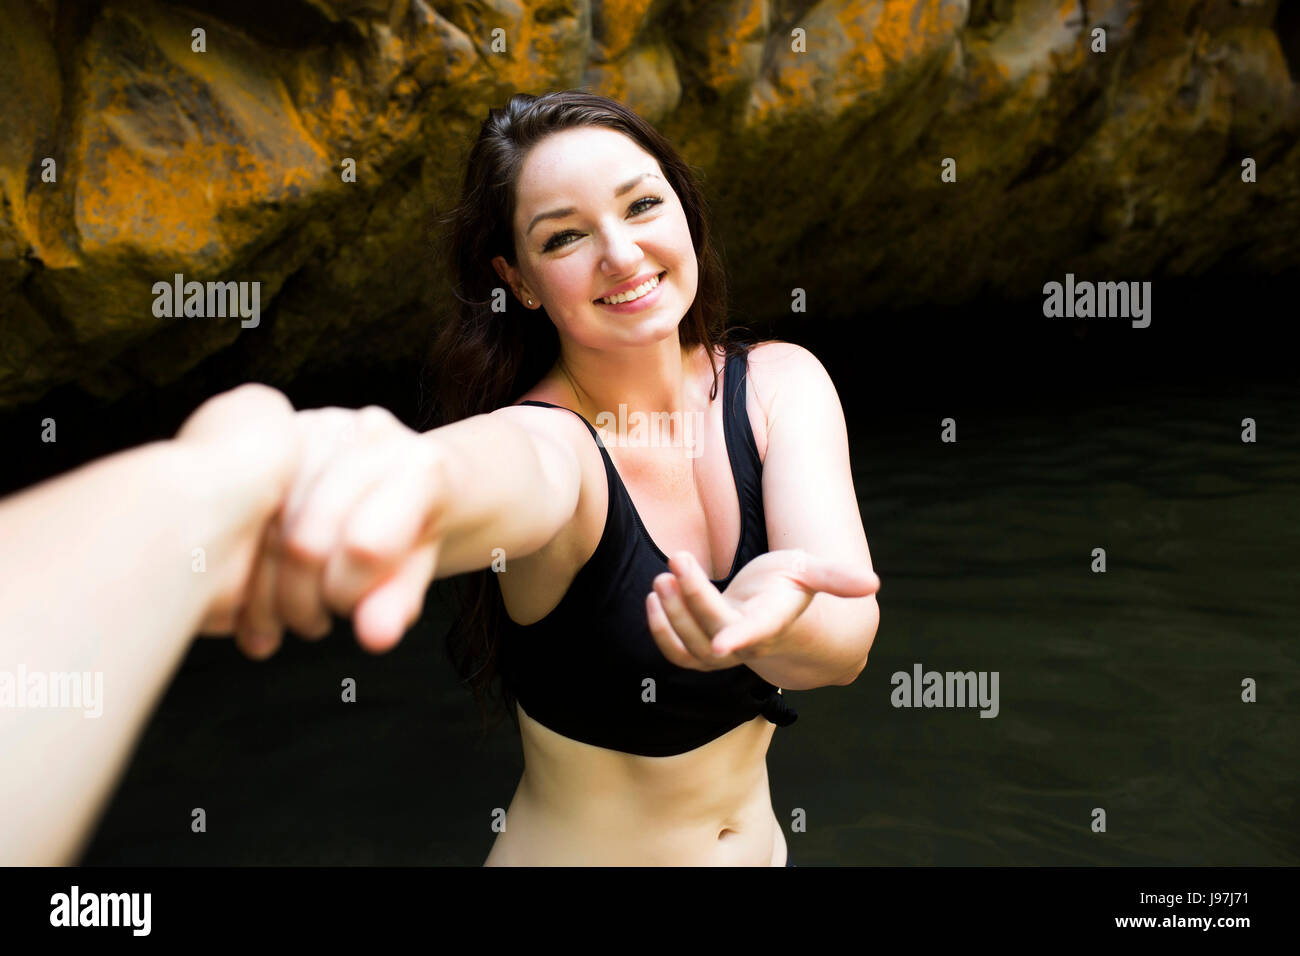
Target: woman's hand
[343, 529]
[354, 535]
[698, 627]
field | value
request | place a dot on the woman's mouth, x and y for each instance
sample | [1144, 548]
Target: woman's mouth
[645, 296]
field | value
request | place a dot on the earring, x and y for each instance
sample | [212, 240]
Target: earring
[530, 301]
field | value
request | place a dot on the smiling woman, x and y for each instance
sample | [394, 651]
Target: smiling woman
[645, 680]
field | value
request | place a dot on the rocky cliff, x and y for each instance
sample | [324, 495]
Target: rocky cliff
[140, 140]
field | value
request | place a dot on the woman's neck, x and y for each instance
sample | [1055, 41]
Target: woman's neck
[662, 381]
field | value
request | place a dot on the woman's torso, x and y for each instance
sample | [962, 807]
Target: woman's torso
[581, 804]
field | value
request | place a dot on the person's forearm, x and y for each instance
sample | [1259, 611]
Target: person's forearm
[504, 490]
[827, 644]
[97, 577]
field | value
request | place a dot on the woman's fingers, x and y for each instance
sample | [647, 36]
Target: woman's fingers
[765, 617]
[324, 431]
[381, 531]
[259, 631]
[679, 616]
[352, 534]
[670, 645]
[385, 613]
[366, 447]
[704, 601]
[840, 578]
[316, 536]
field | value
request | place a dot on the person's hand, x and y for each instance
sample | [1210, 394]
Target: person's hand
[698, 627]
[240, 450]
[354, 536]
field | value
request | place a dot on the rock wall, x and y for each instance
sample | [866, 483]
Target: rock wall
[126, 156]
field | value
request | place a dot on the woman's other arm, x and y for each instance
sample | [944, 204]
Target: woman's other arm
[812, 506]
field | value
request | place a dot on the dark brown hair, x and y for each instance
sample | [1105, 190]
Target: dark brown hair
[483, 359]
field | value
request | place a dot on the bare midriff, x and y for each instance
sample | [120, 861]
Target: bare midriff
[581, 805]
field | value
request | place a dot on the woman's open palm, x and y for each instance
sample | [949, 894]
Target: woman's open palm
[698, 627]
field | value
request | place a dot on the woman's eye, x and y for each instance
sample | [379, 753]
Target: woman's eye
[652, 200]
[554, 243]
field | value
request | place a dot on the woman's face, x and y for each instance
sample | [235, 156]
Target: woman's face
[601, 240]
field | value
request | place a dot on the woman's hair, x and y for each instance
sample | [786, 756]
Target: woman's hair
[482, 359]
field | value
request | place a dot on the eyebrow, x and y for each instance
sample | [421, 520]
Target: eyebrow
[570, 210]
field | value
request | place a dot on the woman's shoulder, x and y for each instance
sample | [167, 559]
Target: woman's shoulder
[764, 361]
[775, 350]
[561, 422]
[766, 352]
[774, 361]
[546, 390]
[761, 352]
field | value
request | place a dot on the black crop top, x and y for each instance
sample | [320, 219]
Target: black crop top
[581, 669]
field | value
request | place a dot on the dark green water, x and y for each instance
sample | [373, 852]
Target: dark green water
[1119, 690]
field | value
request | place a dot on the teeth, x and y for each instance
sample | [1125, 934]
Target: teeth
[634, 294]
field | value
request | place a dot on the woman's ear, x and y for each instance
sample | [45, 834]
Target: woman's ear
[511, 277]
[503, 270]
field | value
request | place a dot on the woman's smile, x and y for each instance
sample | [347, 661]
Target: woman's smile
[642, 302]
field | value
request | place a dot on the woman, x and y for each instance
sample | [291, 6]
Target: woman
[642, 745]
[646, 692]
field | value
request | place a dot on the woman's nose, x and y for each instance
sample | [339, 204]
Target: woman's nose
[621, 251]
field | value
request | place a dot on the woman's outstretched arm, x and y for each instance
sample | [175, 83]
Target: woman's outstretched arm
[106, 573]
[373, 519]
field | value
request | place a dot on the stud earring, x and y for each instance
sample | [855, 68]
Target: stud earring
[530, 301]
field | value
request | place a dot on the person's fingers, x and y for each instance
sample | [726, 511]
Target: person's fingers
[332, 433]
[323, 432]
[259, 646]
[766, 616]
[334, 493]
[259, 631]
[314, 536]
[384, 615]
[382, 530]
[840, 578]
[670, 645]
[219, 623]
[297, 597]
[411, 500]
[679, 616]
[704, 601]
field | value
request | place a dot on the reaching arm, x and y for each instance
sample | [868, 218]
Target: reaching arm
[102, 576]
[508, 486]
[379, 511]
[99, 577]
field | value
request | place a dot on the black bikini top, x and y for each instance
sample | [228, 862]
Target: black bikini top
[590, 669]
